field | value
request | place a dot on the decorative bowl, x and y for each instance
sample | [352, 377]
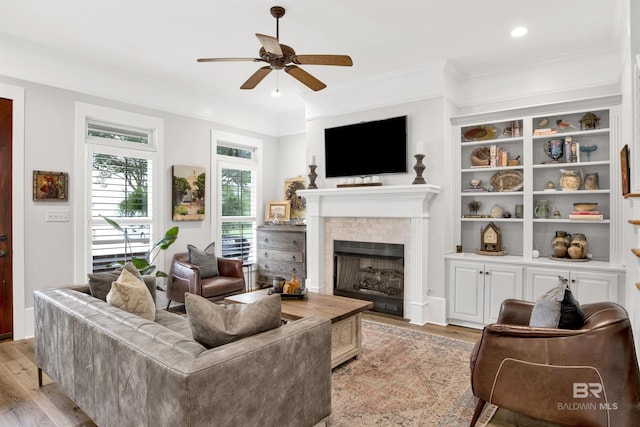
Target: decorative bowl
[585, 206]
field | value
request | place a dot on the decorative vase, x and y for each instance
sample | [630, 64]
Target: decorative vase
[578, 248]
[570, 180]
[560, 244]
[278, 283]
[591, 181]
[419, 168]
[497, 211]
[294, 284]
[542, 209]
[554, 149]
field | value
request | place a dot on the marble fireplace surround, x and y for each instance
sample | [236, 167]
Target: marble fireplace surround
[383, 214]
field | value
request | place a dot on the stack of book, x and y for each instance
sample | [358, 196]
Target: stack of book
[586, 215]
[497, 156]
[544, 131]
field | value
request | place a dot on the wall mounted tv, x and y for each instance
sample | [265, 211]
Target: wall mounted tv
[368, 148]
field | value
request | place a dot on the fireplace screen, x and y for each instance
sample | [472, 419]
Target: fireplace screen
[370, 271]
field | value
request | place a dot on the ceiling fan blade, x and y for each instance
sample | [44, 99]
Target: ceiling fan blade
[342, 60]
[228, 59]
[256, 78]
[304, 77]
[270, 44]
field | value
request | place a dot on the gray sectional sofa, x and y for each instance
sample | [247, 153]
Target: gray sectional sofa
[123, 370]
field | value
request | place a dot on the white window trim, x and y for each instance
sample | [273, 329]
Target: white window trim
[82, 192]
[240, 141]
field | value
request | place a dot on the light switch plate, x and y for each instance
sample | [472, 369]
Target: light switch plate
[57, 216]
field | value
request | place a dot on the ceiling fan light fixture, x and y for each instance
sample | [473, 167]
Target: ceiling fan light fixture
[519, 31]
[279, 56]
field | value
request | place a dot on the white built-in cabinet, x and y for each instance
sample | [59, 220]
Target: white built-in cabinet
[587, 286]
[477, 284]
[477, 289]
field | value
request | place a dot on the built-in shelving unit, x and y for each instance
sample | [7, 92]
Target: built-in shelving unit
[533, 175]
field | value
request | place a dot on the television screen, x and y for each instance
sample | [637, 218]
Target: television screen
[368, 148]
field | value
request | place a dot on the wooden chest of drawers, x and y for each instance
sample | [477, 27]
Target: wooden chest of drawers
[281, 252]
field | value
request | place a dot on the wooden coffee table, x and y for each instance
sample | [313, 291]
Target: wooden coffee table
[345, 315]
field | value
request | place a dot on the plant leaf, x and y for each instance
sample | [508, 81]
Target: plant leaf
[112, 223]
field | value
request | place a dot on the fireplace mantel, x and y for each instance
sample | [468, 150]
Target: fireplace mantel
[391, 201]
[411, 202]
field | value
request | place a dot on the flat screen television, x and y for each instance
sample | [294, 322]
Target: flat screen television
[368, 148]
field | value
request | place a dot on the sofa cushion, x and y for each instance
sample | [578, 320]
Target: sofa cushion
[214, 324]
[205, 259]
[100, 283]
[129, 293]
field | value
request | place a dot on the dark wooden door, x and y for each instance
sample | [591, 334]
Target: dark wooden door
[6, 271]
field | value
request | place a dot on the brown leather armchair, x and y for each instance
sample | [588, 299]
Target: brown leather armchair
[185, 277]
[584, 377]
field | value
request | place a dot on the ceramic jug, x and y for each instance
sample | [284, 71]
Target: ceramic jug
[578, 248]
[570, 180]
[591, 181]
[542, 209]
[560, 244]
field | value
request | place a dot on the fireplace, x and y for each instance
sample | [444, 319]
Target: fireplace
[370, 271]
[386, 213]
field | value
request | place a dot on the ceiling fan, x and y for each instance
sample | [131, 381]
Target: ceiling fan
[280, 56]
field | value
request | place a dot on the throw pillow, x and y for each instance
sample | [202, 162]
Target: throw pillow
[571, 314]
[214, 324]
[546, 312]
[131, 294]
[205, 259]
[557, 308]
[100, 283]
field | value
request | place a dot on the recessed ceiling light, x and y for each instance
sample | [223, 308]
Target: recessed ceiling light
[518, 32]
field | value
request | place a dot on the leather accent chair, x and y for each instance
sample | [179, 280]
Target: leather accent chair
[585, 377]
[185, 277]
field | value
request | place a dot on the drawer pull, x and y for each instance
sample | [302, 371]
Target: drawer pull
[294, 242]
[266, 254]
[293, 257]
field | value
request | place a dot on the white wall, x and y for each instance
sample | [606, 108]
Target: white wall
[426, 124]
[49, 144]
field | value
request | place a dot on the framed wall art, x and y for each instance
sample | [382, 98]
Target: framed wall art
[50, 186]
[187, 193]
[278, 211]
[625, 170]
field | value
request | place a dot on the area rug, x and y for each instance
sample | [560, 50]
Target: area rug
[406, 378]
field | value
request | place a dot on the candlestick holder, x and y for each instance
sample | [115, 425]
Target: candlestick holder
[419, 167]
[312, 178]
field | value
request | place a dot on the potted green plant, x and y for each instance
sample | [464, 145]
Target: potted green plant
[145, 265]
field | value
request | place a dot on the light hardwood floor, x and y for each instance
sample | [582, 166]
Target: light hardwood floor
[22, 403]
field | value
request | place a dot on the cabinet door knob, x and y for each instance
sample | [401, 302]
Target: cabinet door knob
[294, 242]
[266, 254]
[486, 272]
[573, 280]
[3, 253]
[480, 272]
[293, 257]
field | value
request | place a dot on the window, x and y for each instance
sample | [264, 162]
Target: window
[122, 168]
[121, 189]
[237, 166]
